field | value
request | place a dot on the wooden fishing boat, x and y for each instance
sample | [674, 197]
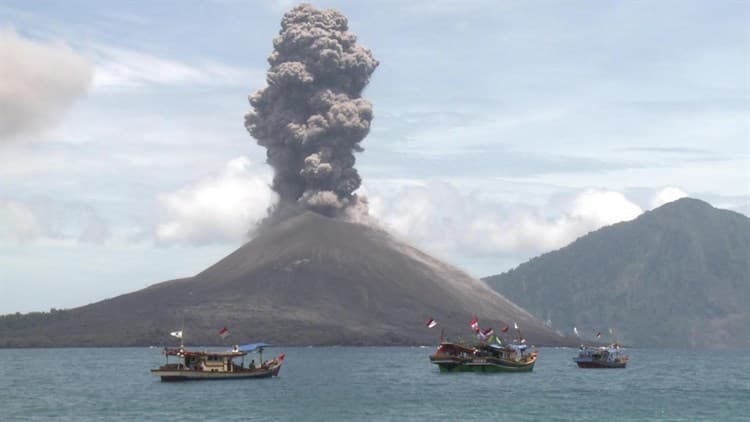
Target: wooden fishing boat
[612, 356]
[484, 357]
[217, 365]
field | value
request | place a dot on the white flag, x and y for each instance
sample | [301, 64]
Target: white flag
[515, 325]
[575, 330]
[177, 334]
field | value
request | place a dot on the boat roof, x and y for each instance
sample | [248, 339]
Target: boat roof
[233, 352]
[505, 346]
[185, 352]
[251, 347]
[599, 347]
[456, 346]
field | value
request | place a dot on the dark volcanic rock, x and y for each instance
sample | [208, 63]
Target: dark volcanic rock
[307, 280]
[677, 276]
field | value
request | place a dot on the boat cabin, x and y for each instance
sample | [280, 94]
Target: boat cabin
[206, 361]
[611, 353]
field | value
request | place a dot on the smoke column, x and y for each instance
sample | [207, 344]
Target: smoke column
[310, 117]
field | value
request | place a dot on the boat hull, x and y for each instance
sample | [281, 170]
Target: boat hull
[599, 364]
[484, 365]
[187, 375]
[174, 374]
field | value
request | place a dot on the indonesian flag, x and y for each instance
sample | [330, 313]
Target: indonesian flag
[488, 332]
[505, 329]
[224, 332]
[177, 334]
[474, 323]
[431, 323]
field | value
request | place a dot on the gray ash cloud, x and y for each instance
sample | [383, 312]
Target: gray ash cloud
[311, 117]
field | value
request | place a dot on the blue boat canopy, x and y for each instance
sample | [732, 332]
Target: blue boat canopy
[251, 347]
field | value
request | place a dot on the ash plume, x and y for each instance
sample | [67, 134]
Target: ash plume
[310, 117]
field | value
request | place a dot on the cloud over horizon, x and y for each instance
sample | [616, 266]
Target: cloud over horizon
[447, 221]
[127, 68]
[218, 208]
[40, 80]
[27, 221]
[666, 195]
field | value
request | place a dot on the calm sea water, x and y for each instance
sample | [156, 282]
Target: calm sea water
[375, 383]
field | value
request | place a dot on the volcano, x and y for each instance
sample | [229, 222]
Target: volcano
[310, 276]
[305, 280]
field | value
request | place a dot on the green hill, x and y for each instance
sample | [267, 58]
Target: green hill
[677, 276]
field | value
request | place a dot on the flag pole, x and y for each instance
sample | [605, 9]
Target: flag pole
[612, 335]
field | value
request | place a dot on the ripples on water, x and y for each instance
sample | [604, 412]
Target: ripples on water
[375, 383]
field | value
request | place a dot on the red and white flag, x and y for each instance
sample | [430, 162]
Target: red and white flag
[505, 329]
[488, 332]
[224, 332]
[474, 324]
[431, 323]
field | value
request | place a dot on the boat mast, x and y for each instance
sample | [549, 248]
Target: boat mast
[612, 336]
[181, 354]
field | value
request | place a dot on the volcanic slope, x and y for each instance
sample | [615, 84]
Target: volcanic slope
[307, 280]
[677, 276]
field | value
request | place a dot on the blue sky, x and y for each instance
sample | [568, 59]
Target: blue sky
[502, 130]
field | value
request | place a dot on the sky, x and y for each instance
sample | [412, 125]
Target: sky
[501, 130]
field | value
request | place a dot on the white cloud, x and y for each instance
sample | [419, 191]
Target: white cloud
[38, 82]
[666, 195]
[18, 221]
[26, 221]
[123, 68]
[217, 208]
[598, 208]
[450, 222]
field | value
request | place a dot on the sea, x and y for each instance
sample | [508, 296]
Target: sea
[375, 384]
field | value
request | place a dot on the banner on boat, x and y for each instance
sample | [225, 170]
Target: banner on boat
[474, 323]
[224, 332]
[431, 323]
